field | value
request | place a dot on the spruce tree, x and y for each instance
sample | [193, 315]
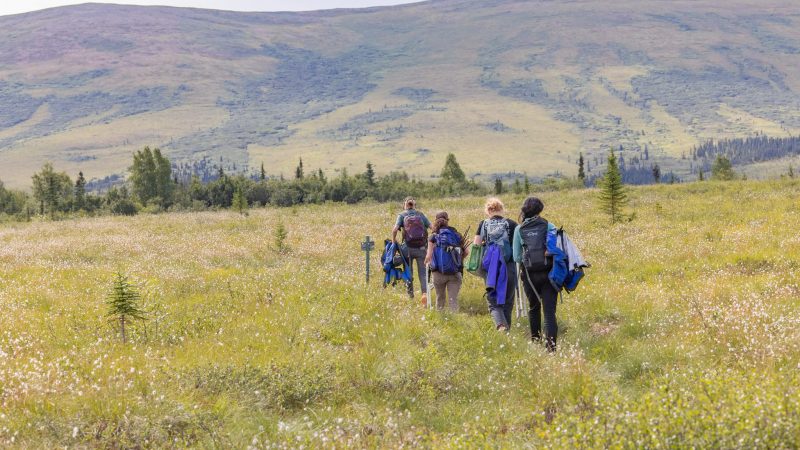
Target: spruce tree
[527, 185]
[80, 192]
[613, 194]
[581, 172]
[123, 303]
[280, 238]
[263, 172]
[791, 172]
[700, 176]
[656, 173]
[370, 174]
[298, 172]
[239, 201]
[517, 186]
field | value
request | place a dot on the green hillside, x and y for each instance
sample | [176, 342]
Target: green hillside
[684, 334]
[530, 83]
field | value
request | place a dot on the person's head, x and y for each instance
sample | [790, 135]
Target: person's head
[494, 207]
[442, 220]
[531, 207]
[409, 203]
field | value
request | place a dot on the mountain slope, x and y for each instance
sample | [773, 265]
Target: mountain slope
[530, 83]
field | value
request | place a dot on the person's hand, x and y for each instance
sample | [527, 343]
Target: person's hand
[427, 261]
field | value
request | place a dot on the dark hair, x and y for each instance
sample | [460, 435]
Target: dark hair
[531, 207]
[409, 203]
[442, 220]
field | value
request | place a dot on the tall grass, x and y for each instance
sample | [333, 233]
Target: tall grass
[686, 332]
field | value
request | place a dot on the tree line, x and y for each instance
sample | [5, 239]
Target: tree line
[747, 150]
[153, 185]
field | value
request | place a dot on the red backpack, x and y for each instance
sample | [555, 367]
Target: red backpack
[414, 232]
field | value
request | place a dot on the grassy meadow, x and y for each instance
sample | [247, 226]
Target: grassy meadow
[685, 333]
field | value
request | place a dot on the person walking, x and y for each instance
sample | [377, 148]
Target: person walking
[495, 233]
[446, 253]
[530, 251]
[415, 228]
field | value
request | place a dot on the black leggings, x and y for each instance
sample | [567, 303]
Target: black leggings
[549, 296]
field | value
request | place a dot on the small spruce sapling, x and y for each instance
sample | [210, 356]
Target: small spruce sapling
[280, 238]
[239, 201]
[123, 304]
[613, 194]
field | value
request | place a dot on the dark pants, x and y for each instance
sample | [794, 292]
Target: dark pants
[416, 257]
[549, 300]
[501, 314]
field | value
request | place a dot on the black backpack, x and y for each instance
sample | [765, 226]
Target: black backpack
[533, 233]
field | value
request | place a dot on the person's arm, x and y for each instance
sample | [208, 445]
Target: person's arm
[517, 245]
[429, 256]
[397, 225]
[478, 239]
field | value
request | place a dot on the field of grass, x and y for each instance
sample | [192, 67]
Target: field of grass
[685, 333]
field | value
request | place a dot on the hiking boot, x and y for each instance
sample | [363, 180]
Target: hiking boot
[502, 328]
[424, 300]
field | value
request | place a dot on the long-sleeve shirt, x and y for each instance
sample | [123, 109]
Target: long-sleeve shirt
[516, 243]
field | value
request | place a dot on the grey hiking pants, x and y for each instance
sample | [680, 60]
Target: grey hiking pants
[447, 287]
[416, 256]
[501, 314]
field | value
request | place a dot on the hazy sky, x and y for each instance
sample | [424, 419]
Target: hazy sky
[16, 7]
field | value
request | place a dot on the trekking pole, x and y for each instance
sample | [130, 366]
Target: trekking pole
[429, 275]
[518, 293]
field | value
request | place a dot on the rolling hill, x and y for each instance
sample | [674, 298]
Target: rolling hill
[504, 84]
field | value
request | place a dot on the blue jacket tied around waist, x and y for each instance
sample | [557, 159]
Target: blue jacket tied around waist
[496, 274]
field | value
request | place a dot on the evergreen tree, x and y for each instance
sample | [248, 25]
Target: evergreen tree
[123, 303]
[656, 173]
[263, 172]
[280, 238]
[452, 170]
[298, 172]
[791, 172]
[581, 172]
[517, 186]
[370, 174]
[613, 194]
[722, 169]
[321, 176]
[527, 185]
[239, 201]
[700, 176]
[80, 193]
[498, 186]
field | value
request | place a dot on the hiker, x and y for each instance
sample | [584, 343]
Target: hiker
[530, 252]
[415, 237]
[495, 233]
[446, 253]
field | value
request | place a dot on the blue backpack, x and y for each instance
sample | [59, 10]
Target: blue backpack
[447, 257]
[395, 265]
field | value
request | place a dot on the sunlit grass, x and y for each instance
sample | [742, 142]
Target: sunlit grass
[685, 332]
